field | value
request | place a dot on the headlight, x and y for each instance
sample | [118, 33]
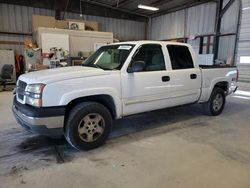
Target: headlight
[35, 88]
[33, 94]
[34, 102]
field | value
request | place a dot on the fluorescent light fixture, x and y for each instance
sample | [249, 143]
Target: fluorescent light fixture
[148, 7]
[246, 8]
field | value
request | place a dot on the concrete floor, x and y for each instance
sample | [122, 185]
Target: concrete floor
[177, 147]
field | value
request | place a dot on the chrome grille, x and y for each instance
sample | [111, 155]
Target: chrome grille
[21, 89]
[22, 84]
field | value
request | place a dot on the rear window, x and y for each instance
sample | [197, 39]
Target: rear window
[180, 57]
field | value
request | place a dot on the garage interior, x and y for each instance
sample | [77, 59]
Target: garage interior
[175, 147]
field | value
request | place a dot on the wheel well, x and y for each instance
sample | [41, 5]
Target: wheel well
[105, 100]
[222, 85]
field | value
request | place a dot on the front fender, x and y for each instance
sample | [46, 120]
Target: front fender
[72, 95]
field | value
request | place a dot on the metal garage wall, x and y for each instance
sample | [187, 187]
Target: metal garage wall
[229, 24]
[244, 42]
[168, 26]
[229, 20]
[19, 48]
[15, 18]
[226, 47]
[123, 29]
[201, 19]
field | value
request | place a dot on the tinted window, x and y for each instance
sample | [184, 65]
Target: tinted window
[180, 57]
[152, 55]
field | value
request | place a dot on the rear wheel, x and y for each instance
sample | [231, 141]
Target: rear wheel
[216, 103]
[88, 125]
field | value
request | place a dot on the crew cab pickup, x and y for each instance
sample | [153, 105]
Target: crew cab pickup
[118, 80]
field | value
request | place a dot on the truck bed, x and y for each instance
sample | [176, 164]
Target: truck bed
[214, 74]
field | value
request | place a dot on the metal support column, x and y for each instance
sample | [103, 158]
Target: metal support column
[218, 26]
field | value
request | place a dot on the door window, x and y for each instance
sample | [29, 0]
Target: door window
[180, 57]
[152, 55]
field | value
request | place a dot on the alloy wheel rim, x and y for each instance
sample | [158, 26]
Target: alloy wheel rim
[91, 127]
[217, 102]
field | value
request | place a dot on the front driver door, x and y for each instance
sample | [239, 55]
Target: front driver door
[145, 90]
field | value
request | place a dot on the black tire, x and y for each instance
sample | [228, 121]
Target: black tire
[76, 118]
[210, 107]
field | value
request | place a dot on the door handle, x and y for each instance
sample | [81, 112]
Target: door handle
[193, 76]
[165, 78]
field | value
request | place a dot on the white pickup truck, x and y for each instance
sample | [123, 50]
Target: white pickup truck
[118, 80]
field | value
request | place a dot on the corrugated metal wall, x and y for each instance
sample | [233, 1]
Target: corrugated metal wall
[200, 20]
[230, 19]
[168, 26]
[123, 29]
[15, 18]
[229, 24]
[244, 41]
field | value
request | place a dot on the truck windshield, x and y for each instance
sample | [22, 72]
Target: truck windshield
[110, 57]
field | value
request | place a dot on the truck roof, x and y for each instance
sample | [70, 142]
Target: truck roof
[140, 42]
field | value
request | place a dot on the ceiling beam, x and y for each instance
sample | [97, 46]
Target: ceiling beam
[160, 2]
[60, 6]
[227, 6]
[123, 3]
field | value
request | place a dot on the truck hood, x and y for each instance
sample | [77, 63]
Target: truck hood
[60, 74]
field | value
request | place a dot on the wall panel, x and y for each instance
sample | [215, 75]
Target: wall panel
[168, 26]
[244, 42]
[201, 19]
[15, 18]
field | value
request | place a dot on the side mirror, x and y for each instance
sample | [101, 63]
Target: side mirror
[136, 66]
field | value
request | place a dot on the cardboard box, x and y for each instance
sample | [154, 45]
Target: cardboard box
[89, 24]
[41, 67]
[42, 21]
[77, 25]
[51, 22]
[61, 24]
[48, 21]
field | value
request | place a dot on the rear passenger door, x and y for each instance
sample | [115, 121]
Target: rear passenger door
[185, 76]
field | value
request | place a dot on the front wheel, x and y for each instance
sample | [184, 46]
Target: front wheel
[88, 125]
[216, 103]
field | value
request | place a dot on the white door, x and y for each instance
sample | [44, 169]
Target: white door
[146, 90]
[185, 76]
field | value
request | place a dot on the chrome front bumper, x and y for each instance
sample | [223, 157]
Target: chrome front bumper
[49, 126]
